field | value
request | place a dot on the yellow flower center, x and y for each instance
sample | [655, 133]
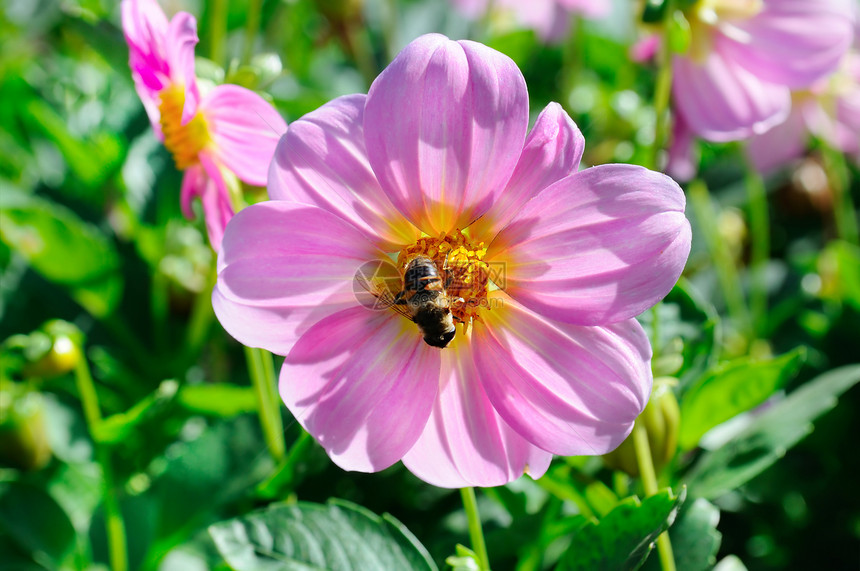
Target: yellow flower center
[462, 268]
[183, 141]
[707, 15]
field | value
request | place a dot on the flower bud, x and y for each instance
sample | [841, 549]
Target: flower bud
[53, 351]
[23, 435]
[661, 420]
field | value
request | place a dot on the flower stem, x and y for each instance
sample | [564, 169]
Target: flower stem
[217, 30]
[649, 482]
[252, 25]
[283, 476]
[760, 246]
[475, 532]
[727, 274]
[113, 516]
[662, 92]
[261, 370]
[844, 211]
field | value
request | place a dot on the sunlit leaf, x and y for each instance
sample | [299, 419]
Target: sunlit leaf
[218, 399]
[769, 435]
[335, 536]
[625, 536]
[731, 389]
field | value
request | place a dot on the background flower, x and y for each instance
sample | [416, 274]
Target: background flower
[549, 18]
[552, 363]
[229, 132]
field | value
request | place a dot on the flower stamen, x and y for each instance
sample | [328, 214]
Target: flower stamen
[183, 141]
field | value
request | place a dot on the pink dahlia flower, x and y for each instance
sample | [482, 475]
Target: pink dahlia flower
[829, 110]
[546, 268]
[746, 57]
[229, 132]
[549, 18]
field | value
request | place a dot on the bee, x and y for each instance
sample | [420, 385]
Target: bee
[427, 302]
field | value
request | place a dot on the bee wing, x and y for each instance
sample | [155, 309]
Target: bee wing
[382, 298]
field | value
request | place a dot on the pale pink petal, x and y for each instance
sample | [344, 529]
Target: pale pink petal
[589, 8]
[444, 125]
[552, 151]
[683, 158]
[216, 201]
[283, 267]
[245, 129]
[466, 442]
[721, 101]
[568, 389]
[180, 41]
[778, 146]
[322, 161]
[145, 27]
[193, 182]
[362, 382]
[597, 247]
[792, 42]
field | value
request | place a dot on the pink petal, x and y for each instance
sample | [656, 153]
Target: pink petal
[444, 126]
[568, 389]
[683, 159]
[793, 42]
[597, 247]
[362, 382]
[322, 161]
[245, 129]
[282, 268]
[721, 101]
[216, 200]
[552, 151]
[180, 41]
[778, 146]
[145, 27]
[466, 442]
[193, 182]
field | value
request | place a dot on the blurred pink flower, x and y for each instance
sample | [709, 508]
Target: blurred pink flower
[829, 110]
[551, 265]
[549, 18]
[747, 55]
[229, 132]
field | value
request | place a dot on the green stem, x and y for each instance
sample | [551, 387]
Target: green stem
[475, 532]
[201, 318]
[217, 30]
[760, 246]
[261, 370]
[727, 274]
[649, 482]
[283, 477]
[113, 516]
[252, 26]
[662, 93]
[844, 211]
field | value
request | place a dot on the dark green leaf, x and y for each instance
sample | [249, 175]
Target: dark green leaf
[625, 536]
[733, 388]
[36, 524]
[695, 539]
[335, 536]
[768, 437]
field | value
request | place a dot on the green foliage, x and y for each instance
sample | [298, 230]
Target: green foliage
[624, 537]
[33, 522]
[335, 536]
[694, 535]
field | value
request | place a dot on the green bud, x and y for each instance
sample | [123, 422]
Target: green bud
[23, 435]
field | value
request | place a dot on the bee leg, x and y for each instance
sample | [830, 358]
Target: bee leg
[400, 298]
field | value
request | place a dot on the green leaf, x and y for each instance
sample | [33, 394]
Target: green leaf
[62, 248]
[335, 536]
[117, 427]
[733, 388]
[625, 536]
[36, 524]
[695, 539]
[769, 435]
[218, 399]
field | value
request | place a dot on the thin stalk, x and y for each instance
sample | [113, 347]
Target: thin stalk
[727, 274]
[662, 93]
[760, 246]
[476, 534]
[252, 26]
[217, 30]
[649, 482]
[113, 516]
[261, 370]
[200, 319]
[844, 211]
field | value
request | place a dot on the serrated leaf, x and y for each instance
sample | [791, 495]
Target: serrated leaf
[694, 536]
[624, 537]
[62, 248]
[335, 536]
[730, 389]
[769, 435]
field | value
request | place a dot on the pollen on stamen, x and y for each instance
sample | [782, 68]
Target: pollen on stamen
[466, 274]
[183, 141]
